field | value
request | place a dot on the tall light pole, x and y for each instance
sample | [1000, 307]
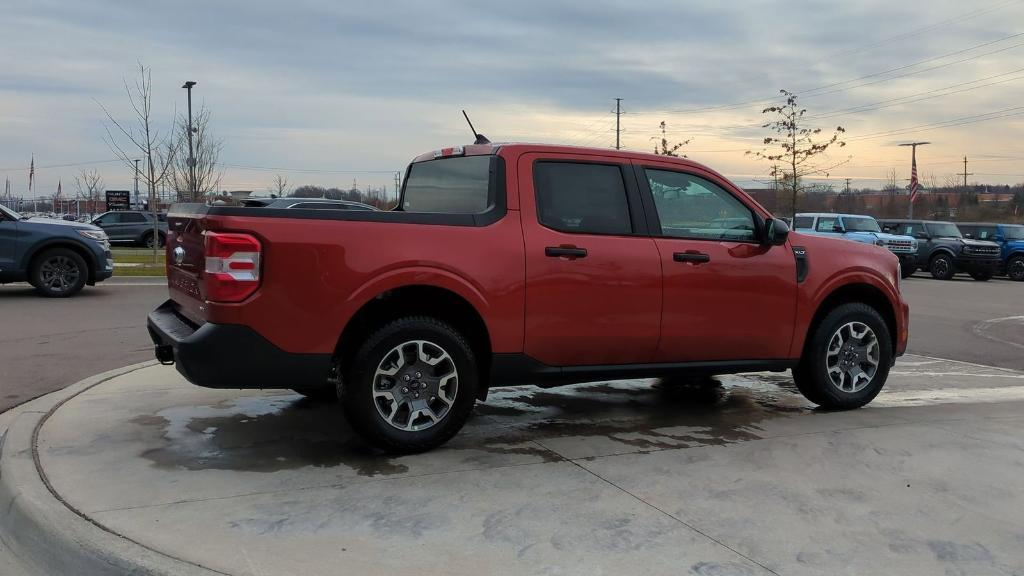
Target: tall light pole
[913, 175]
[191, 157]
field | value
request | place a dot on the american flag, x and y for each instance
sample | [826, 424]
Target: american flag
[31, 172]
[913, 176]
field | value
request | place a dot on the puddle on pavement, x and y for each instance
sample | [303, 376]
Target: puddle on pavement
[263, 433]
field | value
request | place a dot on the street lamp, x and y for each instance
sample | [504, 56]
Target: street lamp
[191, 157]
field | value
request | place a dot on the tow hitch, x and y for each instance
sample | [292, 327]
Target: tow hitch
[164, 353]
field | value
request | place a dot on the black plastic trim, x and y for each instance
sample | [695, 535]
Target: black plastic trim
[231, 355]
[803, 266]
[519, 369]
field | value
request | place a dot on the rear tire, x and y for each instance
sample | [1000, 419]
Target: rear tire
[411, 386]
[941, 267]
[981, 276]
[58, 273]
[147, 240]
[853, 338]
[1015, 268]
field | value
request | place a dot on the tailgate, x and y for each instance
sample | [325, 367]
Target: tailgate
[185, 262]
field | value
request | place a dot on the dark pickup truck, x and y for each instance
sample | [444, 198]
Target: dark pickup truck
[57, 257]
[521, 264]
[943, 251]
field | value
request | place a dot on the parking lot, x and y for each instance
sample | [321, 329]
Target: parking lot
[738, 476]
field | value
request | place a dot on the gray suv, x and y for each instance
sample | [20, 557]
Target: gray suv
[133, 226]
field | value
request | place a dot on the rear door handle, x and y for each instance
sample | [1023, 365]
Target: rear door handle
[691, 256]
[570, 252]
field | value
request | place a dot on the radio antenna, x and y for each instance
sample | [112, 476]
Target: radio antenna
[479, 138]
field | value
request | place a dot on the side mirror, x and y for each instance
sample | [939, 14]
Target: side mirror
[776, 231]
[968, 235]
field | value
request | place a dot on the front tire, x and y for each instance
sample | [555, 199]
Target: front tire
[1015, 268]
[907, 272]
[58, 273]
[941, 267]
[411, 386]
[846, 359]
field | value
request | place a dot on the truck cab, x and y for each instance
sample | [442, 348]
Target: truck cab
[943, 251]
[1009, 237]
[860, 228]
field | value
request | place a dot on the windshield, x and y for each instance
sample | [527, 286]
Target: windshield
[459, 185]
[1013, 232]
[10, 213]
[943, 229]
[860, 224]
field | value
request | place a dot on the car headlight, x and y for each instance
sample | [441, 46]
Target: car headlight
[879, 242]
[97, 235]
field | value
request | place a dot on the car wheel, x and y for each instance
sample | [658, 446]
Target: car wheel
[907, 272]
[941, 267]
[147, 240]
[846, 359]
[411, 386]
[58, 273]
[1015, 268]
[981, 276]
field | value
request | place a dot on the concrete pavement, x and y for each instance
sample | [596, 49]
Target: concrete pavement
[622, 477]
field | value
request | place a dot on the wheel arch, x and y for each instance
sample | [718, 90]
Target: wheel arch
[76, 247]
[860, 292]
[941, 250]
[440, 302]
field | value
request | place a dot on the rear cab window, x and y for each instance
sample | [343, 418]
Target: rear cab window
[453, 185]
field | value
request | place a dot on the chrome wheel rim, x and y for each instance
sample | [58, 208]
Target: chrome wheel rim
[415, 385]
[59, 274]
[852, 357]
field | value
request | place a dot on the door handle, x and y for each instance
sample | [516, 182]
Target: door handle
[691, 256]
[570, 252]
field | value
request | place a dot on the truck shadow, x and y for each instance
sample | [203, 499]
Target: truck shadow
[285, 432]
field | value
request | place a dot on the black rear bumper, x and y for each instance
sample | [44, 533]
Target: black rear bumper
[230, 355]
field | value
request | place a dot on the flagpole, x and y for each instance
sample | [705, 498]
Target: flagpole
[913, 176]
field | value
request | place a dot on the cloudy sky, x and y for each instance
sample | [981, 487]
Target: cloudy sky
[326, 92]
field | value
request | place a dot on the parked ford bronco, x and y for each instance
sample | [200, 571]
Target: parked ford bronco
[56, 256]
[1009, 237]
[861, 229]
[521, 264]
[943, 251]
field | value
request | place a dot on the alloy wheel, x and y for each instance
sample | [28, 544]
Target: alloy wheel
[415, 385]
[59, 274]
[852, 357]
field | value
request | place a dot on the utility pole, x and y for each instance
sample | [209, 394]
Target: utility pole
[191, 157]
[965, 173]
[618, 125]
[847, 186]
[913, 175]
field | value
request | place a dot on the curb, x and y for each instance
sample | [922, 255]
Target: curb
[45, 534]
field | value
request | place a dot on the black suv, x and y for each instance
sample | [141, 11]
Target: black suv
[943, 251]
[134, 226]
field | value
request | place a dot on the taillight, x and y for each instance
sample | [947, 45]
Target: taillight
[232, 271]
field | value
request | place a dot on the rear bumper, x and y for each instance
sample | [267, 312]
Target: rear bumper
[230, 355]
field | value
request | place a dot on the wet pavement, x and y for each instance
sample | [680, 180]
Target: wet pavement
[733, 475]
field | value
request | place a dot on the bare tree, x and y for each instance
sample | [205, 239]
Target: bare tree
[797, 146]
[140, 135]
[206, 148]
[90, 185]
[662, 148]
[280, 186]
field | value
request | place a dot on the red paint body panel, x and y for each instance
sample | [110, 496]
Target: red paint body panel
[627, 302]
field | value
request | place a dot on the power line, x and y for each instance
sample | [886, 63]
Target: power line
[306, 170]
[71, 164]
[1016, 110]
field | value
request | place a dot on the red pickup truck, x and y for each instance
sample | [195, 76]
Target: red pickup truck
[521, 264]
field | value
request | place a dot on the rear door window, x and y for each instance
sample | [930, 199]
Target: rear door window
[803, 223]
[132, 218]
[582, 198]
[459, 185]
[826, 224]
